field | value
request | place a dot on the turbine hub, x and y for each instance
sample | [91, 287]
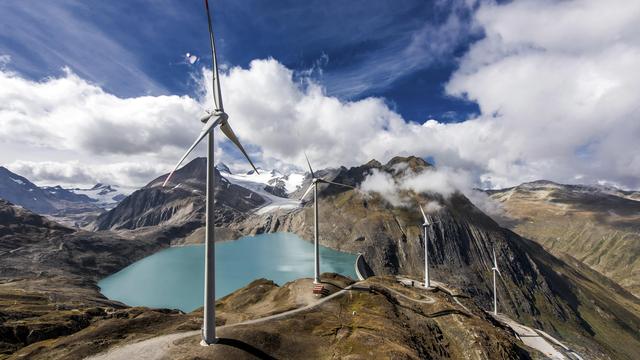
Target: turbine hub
[222, 114]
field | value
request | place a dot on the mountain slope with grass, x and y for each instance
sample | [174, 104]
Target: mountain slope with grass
[599, 226]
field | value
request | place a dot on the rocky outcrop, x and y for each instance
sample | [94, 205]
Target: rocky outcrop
[276, 186]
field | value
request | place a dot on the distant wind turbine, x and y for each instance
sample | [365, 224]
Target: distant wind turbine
[212, 119]
[314, 185]
[495, 270]
[425, 226]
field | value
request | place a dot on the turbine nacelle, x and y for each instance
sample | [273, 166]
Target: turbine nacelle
[495, 263]
[424, 216]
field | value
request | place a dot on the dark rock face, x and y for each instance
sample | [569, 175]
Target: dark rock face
[181, 203]
[276, 187]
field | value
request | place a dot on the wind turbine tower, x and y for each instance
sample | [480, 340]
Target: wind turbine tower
[316, 231]
[495, 270]
[425, 226]
[212, 119]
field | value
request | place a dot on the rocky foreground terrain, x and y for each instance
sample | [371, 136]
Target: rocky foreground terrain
[599, 226]
[377, 319]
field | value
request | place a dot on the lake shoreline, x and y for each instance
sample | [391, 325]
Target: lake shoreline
[173, 276]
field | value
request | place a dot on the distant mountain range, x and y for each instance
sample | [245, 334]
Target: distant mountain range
[598, 225]
[71, 206]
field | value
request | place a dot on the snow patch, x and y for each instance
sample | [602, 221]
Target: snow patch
[257, 182]
[17, 181]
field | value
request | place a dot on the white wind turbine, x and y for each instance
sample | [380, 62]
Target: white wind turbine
[425, 226]
[212, 119]
[495, 270]
[314, 185]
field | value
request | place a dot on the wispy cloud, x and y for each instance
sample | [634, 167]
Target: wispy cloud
[49, 35]
[432, 43]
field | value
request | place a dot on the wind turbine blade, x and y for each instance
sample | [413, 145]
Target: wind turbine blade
[495, 261]
[426, 221]
[205, 130]
[226, 129]
[307, 192]
[335, 183]
[217, 94]
[310, 169]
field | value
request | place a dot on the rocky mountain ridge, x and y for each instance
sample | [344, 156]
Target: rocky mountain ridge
[75, 207]
[180, 204]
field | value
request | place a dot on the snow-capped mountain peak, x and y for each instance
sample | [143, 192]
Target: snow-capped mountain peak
[270, 184]
[104, 195]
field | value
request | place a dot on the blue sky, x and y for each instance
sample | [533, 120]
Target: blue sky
[355, 49]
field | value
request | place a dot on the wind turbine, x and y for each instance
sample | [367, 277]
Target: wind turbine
[314, 185]
[212, 119]
[425, 225]
[495, 270]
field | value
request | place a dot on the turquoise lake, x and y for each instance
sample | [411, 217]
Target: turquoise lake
[173, 278]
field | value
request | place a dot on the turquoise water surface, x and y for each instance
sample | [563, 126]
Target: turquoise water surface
[173, 278]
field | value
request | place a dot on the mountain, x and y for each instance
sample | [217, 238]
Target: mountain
[19, 190]
[555, 294]
[105, 196]
[273, 181]
[75, 207]
[597, 225]
[51, 307]
[181, 203]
